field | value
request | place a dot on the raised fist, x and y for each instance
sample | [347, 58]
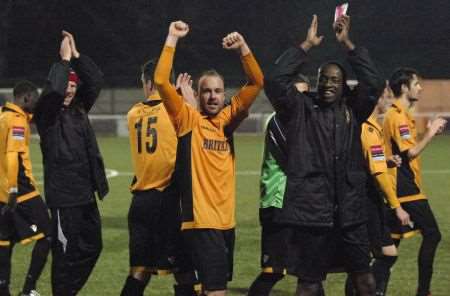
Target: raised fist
[233, 41]
[178, 29]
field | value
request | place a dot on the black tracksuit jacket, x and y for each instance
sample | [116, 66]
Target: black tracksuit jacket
[325, 177]
[73, 165]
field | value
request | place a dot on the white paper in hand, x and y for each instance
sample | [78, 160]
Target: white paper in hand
[340, 11]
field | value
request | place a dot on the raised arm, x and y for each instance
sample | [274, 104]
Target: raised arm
[90, 75]
[172, 100]
[370, 84]
[247, 94]
[278, 81]
[52, 97]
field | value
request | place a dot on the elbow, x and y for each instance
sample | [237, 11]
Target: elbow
[159, 79]
[259, 81]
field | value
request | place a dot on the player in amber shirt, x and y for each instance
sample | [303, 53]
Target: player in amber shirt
[206, 160]
[24, 217]
[380, 188]
[401, 138]
[154, 222]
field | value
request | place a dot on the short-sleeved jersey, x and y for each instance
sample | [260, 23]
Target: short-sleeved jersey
[153, 143]
[400, 135]
[15, 137]
[373, 146]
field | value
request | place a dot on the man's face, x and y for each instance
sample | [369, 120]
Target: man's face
[211, 94]
[330, 84]
[414, 89]
[70, 92]
[30, 100]
[302, 86]
[385, 100]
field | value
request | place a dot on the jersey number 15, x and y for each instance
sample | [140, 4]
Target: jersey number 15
[150, 146]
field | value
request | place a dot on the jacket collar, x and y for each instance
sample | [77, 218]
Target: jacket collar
[15, 108]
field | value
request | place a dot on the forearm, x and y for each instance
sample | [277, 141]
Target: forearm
[280, 77]
[249, 92]
[172, 100]
[12, 159]
[417, 150]
[388, 188]
[53, 94]
[366, 72]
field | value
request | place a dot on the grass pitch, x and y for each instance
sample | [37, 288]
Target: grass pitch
[112, 267]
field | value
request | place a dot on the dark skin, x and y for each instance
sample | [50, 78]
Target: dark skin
[330, 88]
[330, 81]
[330, 85]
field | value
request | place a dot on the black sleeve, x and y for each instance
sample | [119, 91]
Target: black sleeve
[370, 84]
[52, 98]
[91, 81]
[278, 81]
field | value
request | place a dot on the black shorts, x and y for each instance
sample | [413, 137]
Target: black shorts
[212, 253]
[156, 242]
[421, 216]
[378, 226]
[274, 246]
[29, 222]
[317, 251]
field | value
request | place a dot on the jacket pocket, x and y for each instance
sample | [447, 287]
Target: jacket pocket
[310, 200]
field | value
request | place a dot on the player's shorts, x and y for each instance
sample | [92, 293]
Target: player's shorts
[212, 253]
[378, 226]
[274, 246]
[421, 216]
[317, 251]
[154, 225]
[29, 222]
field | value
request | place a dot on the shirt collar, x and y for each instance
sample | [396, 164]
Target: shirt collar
[154, 97]
[373, 121]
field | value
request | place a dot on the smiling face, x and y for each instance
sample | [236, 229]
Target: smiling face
[211, 92]
[330, 84]
[70, 92]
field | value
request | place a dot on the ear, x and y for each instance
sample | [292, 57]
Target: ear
[404, 88]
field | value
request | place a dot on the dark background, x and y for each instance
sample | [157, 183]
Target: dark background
[120, 35]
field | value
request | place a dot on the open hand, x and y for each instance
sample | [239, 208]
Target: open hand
[65, 51]
[73, 46]
[184, 86]
[402, 216]
[436, 126]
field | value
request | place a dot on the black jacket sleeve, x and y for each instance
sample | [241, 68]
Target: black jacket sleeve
[370, 84]
[278, 83]
[91, 81]
[52, 98]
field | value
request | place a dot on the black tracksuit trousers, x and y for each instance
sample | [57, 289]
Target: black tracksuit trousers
[76, 247]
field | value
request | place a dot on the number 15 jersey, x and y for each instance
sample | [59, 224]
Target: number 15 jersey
[153, 144]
